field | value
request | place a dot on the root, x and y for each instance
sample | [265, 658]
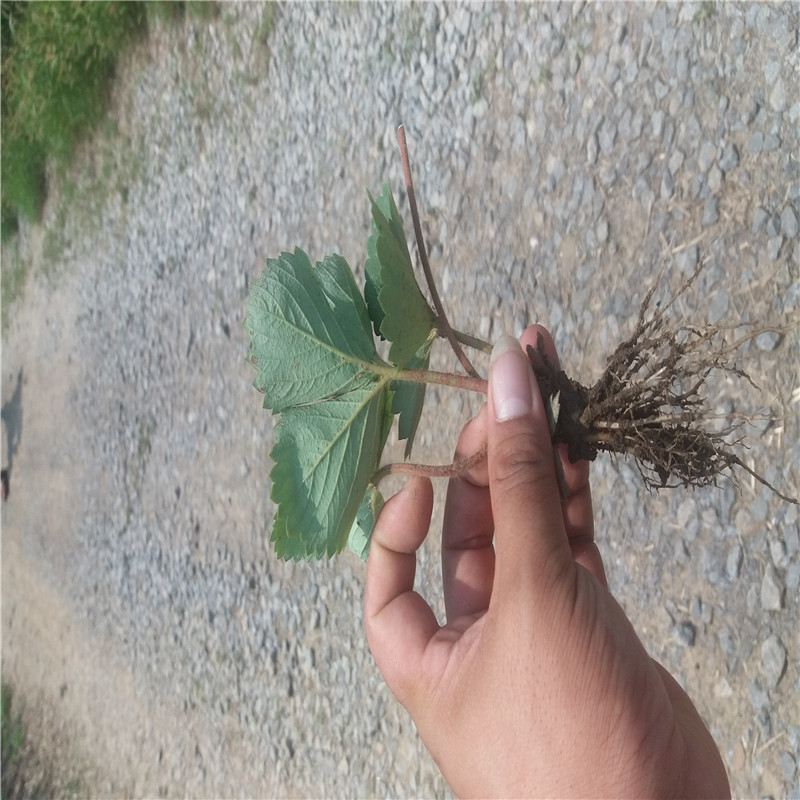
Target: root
[650, 402]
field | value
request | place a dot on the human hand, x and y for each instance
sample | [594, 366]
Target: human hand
[537, 685]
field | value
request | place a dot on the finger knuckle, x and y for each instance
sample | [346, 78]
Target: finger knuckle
[520, 462]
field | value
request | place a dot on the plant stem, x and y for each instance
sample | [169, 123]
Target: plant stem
[473, 341]
[442, 322]
[466, 382]
[457, 469]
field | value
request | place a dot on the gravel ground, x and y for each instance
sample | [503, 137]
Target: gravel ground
[563, 155]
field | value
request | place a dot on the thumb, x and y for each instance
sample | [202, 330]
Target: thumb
[531, 539]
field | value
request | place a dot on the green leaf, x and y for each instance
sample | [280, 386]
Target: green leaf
[309, 330]
[325, 455]
[409, 397]
[312, 346]
[396, 305]
[367, 515]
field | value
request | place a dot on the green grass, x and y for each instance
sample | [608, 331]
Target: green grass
[13, 736]
[27, 767]
[58, 63]
[57, 70]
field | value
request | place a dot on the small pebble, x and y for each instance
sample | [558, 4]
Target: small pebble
[708, 152]
[771, 590]
[755, 144]
[793, 576]
[777, 550]
[777, 97]
[768, 340]
[760, 217]
[734, 561]
[675, 161]
[771, 70]
[773, 226]
[686, 260]
[789, 224]
[726, 641]
[718, 306]
[764, 723]
[773, 658]
[729, 158]
[710, 211]
[667, 185]
[715, 178]
[791, 538]
[774, 247]
[788, 766]
[685, 633]
[758, 695]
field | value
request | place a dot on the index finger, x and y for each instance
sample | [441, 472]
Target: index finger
[577, 507]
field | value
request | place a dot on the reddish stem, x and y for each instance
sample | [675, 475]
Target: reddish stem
[444, 325]
[458, 469]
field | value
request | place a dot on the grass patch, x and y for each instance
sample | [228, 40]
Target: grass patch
[27, 772]
[57, 69]
[12, 733]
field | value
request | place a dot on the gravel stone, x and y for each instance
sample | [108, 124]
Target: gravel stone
[715, 178]
[760, 217]
[685, 633]
[675, 161]
[729, 159]
[686, 260]
[755, 144]
[601, 231]
[592, 149]
[768, 341]
[773, 659]
[667, 185]
[774, 245]
[764, 723]
[789, 224]
[773, 226]
[788, 766]
[719, 305]
[771, 71]
[657, 123]
[771, 590]
[777, 97]
[708, 154]
[606, 136]
[777, 550]
[758, 695]
[711, 211]
[791, 537]
[793, 576]
[733, 564]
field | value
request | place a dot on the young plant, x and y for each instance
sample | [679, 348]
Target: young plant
[312, 344]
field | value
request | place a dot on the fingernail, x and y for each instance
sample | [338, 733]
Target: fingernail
[509, 380]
